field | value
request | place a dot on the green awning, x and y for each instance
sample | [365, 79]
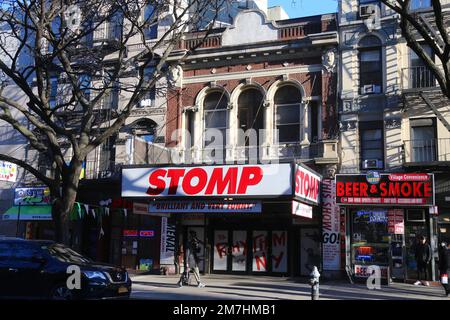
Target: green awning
[28, 213]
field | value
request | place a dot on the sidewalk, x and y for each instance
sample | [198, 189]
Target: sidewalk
[231, 287]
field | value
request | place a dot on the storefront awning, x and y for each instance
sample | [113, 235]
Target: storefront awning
[28, 213]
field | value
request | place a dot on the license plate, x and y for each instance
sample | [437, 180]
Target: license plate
[123, 290]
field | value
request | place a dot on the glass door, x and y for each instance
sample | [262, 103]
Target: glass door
[239, 251]
[221, 248]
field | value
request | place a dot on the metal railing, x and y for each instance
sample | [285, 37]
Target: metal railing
[97, 169]
[430, 150]
[418, 78]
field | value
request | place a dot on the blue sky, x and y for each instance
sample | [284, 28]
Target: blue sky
[301, 8]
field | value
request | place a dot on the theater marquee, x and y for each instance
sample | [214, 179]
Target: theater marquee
[208, 181]
[394, 189]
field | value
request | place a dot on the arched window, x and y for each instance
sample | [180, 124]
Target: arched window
[215, 114]
[370, 65]
[287, 113]
[250, 113]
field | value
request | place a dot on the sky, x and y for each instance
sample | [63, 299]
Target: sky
[301, 8]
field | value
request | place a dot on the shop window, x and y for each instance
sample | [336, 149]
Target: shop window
[288, 110]
[423, 140]
[215, 117]
[370, 65]
[415, 215]
[371, 145]
[370, 238]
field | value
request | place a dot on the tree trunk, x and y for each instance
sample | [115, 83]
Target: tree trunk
[64, 202]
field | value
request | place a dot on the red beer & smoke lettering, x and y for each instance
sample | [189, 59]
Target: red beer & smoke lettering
[385, 189]
[193, 181]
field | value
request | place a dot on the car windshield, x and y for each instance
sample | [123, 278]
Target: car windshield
[65, 254]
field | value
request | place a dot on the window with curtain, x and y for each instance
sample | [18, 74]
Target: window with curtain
[215, 114]
[287, 115]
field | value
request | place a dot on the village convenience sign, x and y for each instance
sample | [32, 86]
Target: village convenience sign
[402, 189]
[208, 181]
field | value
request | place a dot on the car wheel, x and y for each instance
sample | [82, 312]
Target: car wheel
[61, 292]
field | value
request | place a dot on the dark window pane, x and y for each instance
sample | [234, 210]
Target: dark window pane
[288, 94]
[216, 119]
[215, 100]
[288, 133]
[288, 114]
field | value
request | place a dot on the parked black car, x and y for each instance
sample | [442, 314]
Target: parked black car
[39, 270]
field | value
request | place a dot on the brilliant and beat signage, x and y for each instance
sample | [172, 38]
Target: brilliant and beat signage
[400, 189]
[213, 181]
[307, 185]
[205, 206]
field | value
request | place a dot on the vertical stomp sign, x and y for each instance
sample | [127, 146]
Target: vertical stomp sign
[330, 226]
[168, 233]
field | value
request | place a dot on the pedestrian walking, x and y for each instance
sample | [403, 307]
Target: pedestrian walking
[443, 266]
[191, 260]
[423, 259]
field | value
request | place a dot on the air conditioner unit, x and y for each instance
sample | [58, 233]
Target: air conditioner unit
[370, 89]
[367, 10]
[372, 164]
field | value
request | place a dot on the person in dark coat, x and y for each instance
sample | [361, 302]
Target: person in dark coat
[423, 256]
[444, 256]
[191, 260]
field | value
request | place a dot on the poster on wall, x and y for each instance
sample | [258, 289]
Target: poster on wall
[396, 223]
[8, 171]
[220, 250]
[168, 235]
[279, 251]
[34, 196]
[260, 247]
[330, 227]
[310, 250]
[239, 250]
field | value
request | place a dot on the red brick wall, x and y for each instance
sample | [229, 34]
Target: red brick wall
[314, 83]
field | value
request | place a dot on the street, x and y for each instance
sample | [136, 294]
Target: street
[230, 287]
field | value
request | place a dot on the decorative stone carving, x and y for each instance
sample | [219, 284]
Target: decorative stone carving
[348, 125]
[393, 123]
[174, 76]
[329, 59]
[330, 171]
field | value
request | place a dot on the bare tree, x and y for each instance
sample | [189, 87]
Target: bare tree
[59, 38]
[419, 30]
